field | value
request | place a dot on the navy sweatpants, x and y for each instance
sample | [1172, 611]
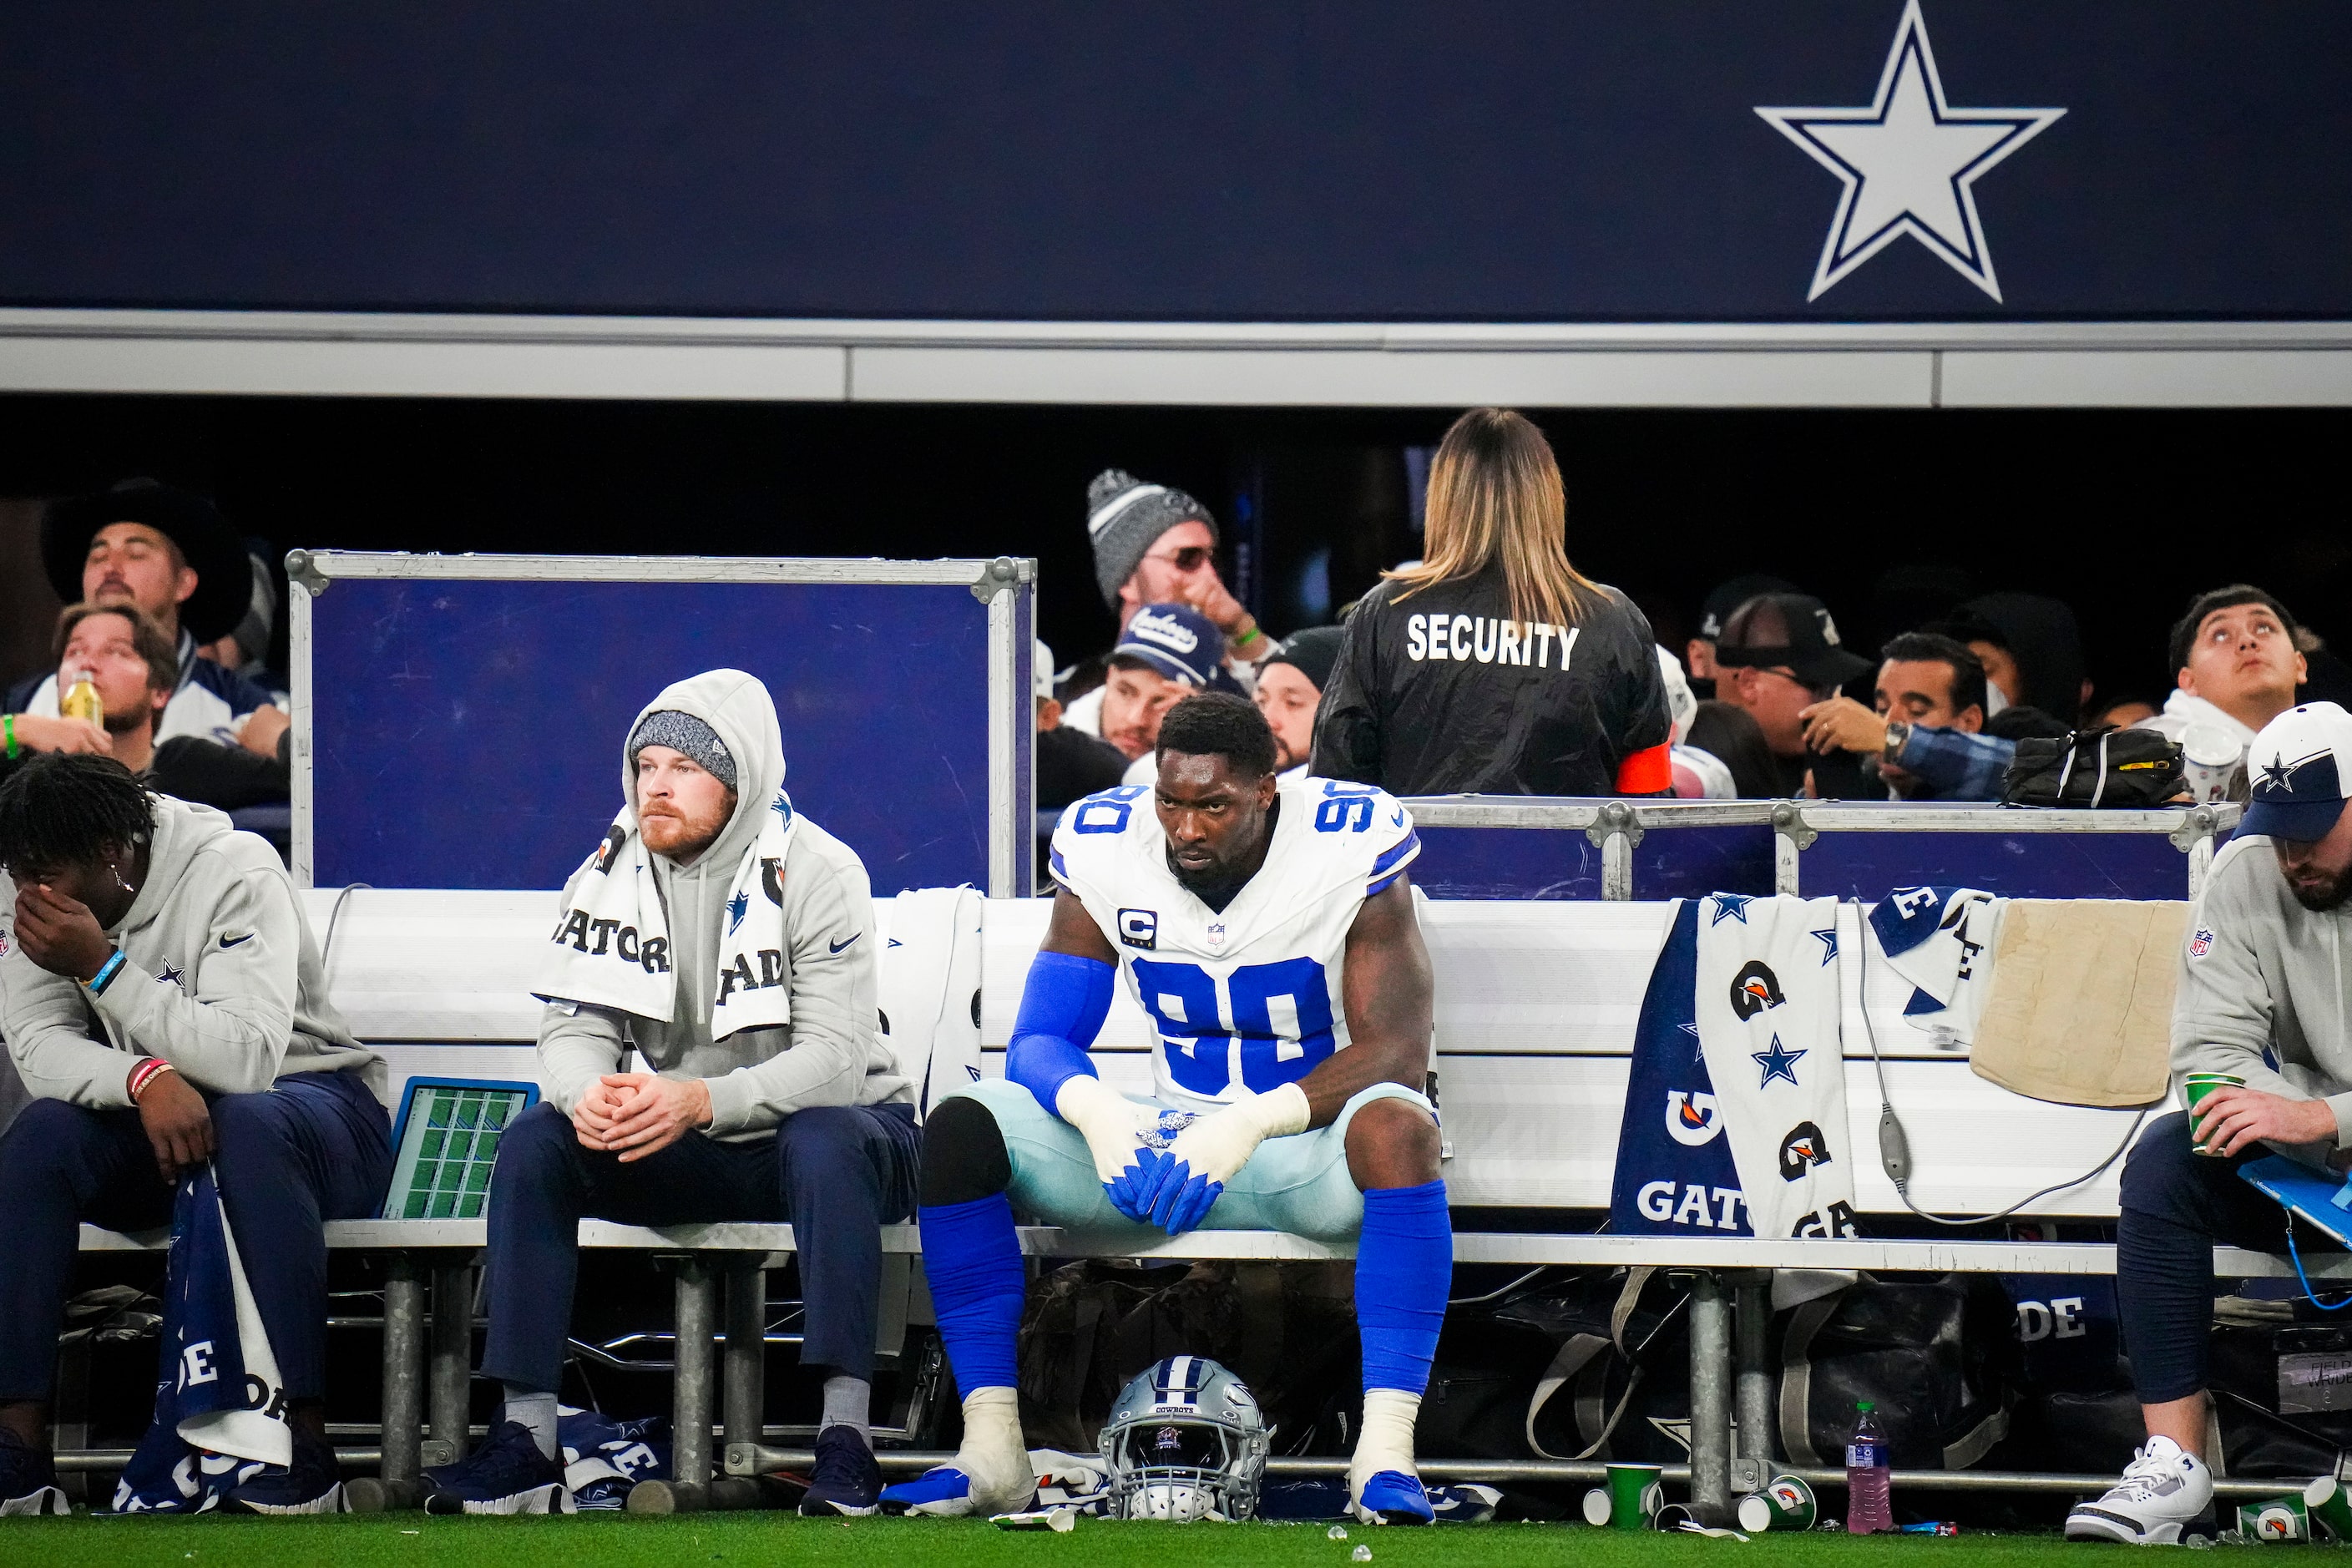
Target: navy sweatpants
[316, 1147]
[838, 1173]
[2177, 1205]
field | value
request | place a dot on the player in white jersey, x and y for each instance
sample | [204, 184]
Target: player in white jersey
[1267, 928]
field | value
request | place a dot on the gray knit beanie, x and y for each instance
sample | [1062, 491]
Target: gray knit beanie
[685, 733]
[1125, 517]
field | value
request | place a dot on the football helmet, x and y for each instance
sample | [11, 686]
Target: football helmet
[1185, 1441]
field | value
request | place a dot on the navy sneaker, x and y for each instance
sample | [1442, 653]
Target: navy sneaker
[844, 1479]
[28, 1479]
[313, 1483]
[506, 1474]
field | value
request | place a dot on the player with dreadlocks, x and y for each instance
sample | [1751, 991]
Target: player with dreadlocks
[164, 1002]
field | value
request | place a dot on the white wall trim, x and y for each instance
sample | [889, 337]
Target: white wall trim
[1962, 363]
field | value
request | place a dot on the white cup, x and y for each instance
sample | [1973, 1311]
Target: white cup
[2210, 756]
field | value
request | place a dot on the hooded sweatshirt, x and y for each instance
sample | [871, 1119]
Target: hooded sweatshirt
[2263, 985]
[2181, 711]
[220, 978]
[832, 1051]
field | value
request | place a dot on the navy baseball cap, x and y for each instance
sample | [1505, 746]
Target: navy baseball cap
[1177, 640]
[2300, 768]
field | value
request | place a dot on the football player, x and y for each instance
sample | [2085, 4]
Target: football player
[1267, 928]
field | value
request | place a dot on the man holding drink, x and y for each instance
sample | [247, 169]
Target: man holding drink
[2262, 1041]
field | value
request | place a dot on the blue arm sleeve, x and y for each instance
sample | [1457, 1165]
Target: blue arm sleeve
[1062, 1009]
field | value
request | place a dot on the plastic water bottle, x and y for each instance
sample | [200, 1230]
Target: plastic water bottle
[1866, 1506]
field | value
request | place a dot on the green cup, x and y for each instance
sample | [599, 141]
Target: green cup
[1785, 1503]
[2325, 1500]
[1634, 1494]
[2196, 1086]
[2281, 1518]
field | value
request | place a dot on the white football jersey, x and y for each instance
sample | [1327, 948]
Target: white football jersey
[1245, 999]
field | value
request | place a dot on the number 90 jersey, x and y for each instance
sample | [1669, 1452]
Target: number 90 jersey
[1245, 999]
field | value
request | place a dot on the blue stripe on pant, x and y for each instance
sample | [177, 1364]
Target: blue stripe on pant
[838, 1173]
[2176, 1205]
[316, 1147]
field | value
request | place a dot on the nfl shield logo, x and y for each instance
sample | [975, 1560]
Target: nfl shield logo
[2202, 943]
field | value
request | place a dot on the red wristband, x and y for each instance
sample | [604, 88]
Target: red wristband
[149, 1069]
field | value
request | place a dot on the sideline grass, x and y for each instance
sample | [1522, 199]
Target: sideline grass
[765, 1539]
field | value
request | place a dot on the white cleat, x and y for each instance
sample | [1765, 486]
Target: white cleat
[2162, 1491]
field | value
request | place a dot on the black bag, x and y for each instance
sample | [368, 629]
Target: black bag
[2131, 769]
[1925, 1351]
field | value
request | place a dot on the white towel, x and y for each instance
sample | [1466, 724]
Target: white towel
[612, 940]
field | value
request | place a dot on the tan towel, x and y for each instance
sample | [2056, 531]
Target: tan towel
[2080, 1008]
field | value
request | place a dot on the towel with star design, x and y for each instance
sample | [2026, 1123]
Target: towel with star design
[1735, 1119]
[610, 943]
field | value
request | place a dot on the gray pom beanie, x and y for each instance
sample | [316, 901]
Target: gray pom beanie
[685, 733]
[1125, 517]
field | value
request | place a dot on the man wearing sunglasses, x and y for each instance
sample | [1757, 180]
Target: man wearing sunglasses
[1778, 655]
[1154, 544]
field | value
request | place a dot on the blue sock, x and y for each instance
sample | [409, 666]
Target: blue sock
[972, 1257]
[1404, 1266]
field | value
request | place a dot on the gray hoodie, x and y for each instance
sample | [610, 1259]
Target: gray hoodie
[2263, 985]
[832, 1052]
[220, 978]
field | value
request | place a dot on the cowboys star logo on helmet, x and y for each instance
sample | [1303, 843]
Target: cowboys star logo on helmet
[1186, 1441]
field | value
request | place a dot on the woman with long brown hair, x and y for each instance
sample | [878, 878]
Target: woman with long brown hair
[1492, 666]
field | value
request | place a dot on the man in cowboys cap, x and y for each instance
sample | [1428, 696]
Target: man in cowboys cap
[167, 553]
[1156, 546]
[2262, 1002]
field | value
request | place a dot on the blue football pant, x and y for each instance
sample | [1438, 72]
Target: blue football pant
[838, 1173]
[316, 1147]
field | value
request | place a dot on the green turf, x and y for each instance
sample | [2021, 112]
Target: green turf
[762, 1540]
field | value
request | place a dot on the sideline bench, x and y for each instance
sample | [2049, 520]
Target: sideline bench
[1536, 1010]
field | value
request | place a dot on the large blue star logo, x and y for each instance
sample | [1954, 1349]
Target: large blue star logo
[1909, 163]
[1777, 1062]
[1828, 939]
[735, 907]
[1730, 906]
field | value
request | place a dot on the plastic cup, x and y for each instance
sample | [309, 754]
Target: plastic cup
[2209, 761]
[2281, 1518]
[2195, 1087]
[1596, 1506]
[1785, 1503]
[2329, 1508]
[1634, 1494]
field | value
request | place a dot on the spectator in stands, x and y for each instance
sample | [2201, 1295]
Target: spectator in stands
[1721, 600]
[1924, 733]
[132, 664]
[2262, 1001]
[1778, 656]
[1167, 653]
[1155, 545]
[164, 1000]
[1729, 734]
[2031, 650]
[731, 944]
[1291, 689]
[1071, 763]
[167, 553]
[1494, 666]
[2236, 664]
[2123, 713]
[246, 648]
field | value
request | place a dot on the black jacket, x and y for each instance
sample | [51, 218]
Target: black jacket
[1442, 694]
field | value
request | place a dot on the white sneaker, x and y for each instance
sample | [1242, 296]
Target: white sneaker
[2162, 1490]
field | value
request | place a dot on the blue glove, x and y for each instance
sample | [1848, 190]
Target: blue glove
[1130, 1195]
[1180, 1200]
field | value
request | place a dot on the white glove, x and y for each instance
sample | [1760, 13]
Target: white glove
[1115, 1126]
[1220, 1143]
